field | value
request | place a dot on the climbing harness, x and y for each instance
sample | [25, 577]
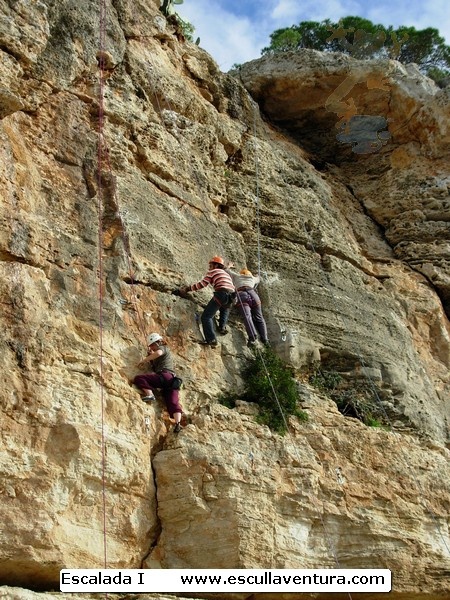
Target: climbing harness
[327, 537]
[102, 153]
[176, 383]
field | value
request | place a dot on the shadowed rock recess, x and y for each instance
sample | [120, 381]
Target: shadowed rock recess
[330, 174]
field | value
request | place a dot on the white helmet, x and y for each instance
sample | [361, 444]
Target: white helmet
[153, 337]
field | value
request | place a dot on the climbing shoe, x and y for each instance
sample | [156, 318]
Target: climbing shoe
[213, 343]
[147, 398]
[177, 428]
[222, 330]
[266, 342]
[251, 343]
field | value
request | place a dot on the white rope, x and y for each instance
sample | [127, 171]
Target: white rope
[258, 215]
[328, 539]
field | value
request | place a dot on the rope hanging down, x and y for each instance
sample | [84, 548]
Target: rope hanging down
[258, 216]
[257, 203]
[327, 536]
[100, 209]
[421, 494]
[104, 165]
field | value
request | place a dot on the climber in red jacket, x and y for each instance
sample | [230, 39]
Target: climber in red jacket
[222, 300]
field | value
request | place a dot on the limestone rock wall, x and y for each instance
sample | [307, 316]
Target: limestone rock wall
[116, 190]
[404, 187]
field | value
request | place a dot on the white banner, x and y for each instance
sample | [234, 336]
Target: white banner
[225, 580]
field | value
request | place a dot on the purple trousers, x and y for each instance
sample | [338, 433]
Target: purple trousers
[249, 306]
[152, 381]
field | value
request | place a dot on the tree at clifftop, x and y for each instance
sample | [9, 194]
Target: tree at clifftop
[363, 39]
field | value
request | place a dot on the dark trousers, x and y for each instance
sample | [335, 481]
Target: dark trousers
[152, 381]
[219, 302]
[249, 306]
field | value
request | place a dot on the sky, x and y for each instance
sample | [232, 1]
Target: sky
[235, 31]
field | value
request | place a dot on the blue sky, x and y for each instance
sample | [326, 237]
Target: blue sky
[235, 31]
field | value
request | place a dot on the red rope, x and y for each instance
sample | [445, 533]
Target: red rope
[101, 116]
[104, 161]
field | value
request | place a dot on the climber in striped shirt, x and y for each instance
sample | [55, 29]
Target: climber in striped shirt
[222, 300]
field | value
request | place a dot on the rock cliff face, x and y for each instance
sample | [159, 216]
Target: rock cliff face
[127, 160]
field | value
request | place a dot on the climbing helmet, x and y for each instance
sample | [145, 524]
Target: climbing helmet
[217, 259]
[153, 337]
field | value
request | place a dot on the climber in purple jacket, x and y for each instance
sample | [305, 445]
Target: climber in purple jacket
[249, 305]
[160, 361]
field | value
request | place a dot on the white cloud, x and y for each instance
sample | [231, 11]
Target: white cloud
[292, 11]
[285, 10]
[232, 38]
[228, 38]
[413, 13]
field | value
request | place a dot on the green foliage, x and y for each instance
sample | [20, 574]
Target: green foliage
[439, 76]
[360, 404]
[314, 35]
[363, 39]
[187, 29]
[325, 380]
[352, 35]
[283, 40]
[269, 383]
[358, 401]
[227, 399]
[372, 422]
[426, 48]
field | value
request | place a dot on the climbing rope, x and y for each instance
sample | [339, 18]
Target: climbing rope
[100, 209]
[258, 228]
[328, 539]
[327, 536]
[421, 494]
[104, 166]
[258, 214]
